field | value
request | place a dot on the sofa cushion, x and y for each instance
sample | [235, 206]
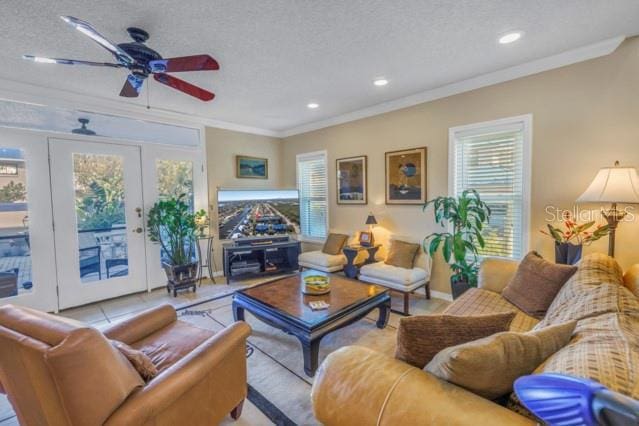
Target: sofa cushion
[383, 271]
[322, 259]
[604, 348]
[477, 301]
[420, 338]
[489, 366]
[536, 283]
[402, 254]
[85, 366]
[334, 244]
[631, 279]
[168, 345]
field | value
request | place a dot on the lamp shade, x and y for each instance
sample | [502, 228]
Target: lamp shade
[613, 185]
[370, 220]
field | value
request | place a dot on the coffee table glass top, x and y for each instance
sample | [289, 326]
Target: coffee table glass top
[285, 295]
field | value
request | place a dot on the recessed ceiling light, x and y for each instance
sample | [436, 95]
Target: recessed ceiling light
[312, 105]
[510, 37]
[380, 82]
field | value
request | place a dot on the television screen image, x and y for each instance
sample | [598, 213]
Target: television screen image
[255, 213]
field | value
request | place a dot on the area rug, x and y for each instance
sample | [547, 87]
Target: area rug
[277, 383]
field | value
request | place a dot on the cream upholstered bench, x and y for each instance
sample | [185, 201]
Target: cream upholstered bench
[329, 259]
[401, 279]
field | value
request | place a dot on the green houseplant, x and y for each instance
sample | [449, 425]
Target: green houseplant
[171, 224]
[465, 216]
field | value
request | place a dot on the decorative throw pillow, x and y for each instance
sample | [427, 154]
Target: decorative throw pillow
[138, 359]
[489, 366]
[631, 279]
[402, 254]
[536, 283]
[334, 243]
[420, 338]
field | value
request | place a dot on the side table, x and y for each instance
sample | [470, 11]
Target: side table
[351, 270]
[208, 240]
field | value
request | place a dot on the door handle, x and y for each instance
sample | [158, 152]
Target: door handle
[138, 230]
[138, 210]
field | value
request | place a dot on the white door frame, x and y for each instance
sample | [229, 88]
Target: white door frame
[42, 248]
[150, 154]
[71, 290]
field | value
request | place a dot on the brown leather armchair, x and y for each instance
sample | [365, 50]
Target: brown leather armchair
[57, 371]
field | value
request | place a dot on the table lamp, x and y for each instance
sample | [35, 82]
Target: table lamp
[613, 185]
[368, 239]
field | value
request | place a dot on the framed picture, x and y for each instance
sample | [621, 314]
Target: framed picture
[365, 238]
[352, 180]
[251, 167]
[406, 176]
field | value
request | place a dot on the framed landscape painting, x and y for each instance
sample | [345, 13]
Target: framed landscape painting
[406, 176]
[352, 180]
[251, 167]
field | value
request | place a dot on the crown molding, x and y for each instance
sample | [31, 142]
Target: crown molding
[569, 57]
[41, 95]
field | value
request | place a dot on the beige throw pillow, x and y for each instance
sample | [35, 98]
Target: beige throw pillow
[489, 366]
[536, 283]
[402, 254]
[138, 359]
[334, 244]
[420, 338]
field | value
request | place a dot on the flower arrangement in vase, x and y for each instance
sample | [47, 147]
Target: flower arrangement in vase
[571, 237]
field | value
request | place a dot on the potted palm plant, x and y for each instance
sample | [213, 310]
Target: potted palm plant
[465, 216]
[171, 224]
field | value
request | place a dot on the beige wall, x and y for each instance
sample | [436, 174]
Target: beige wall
[221, 148]
[585, 116]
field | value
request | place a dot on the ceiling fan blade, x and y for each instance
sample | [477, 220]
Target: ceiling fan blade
[184, 87]
[86, 29]
[132, 86]
[42, 60]
[184, 63]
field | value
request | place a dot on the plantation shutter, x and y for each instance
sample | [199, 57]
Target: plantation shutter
[312, 184]
[491, 161]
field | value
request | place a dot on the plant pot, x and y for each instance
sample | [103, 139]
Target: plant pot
[180, 276]
[458, 288]
[567, 253]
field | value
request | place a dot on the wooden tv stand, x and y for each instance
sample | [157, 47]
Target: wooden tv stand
[262, 256]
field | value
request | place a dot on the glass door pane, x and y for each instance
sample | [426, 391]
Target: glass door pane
[100, 215]
[15, 249]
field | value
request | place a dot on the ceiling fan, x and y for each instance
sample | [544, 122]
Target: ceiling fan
[141, 61]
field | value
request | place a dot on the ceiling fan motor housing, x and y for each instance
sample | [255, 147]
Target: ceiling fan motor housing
[140, 52]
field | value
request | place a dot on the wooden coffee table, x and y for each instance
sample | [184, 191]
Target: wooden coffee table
[281, 304]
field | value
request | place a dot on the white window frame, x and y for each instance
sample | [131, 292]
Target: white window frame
[305, 155]
[526, 122]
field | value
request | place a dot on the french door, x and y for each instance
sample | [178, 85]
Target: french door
[98, 216]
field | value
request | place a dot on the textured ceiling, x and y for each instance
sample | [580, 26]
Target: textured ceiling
[278, 55]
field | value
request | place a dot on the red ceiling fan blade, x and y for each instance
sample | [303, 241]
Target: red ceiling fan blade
[184, 63]
[184, 87]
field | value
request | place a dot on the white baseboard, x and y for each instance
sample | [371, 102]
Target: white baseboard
[441, 295]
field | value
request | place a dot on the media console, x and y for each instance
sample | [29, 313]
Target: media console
[252, 257]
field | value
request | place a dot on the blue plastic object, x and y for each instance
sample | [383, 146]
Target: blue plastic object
[563, 400]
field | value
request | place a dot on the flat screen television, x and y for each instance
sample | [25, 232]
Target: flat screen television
[246, 213]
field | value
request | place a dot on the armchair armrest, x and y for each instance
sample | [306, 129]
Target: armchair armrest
[495, 273]
[141, 325]
[217, 368]
[356, 385]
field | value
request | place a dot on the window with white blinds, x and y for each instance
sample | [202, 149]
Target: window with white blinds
[493, 158]
[312, 183]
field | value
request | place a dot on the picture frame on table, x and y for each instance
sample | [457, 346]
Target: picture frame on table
[406, 176]
[251, 167]
[352, 180]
